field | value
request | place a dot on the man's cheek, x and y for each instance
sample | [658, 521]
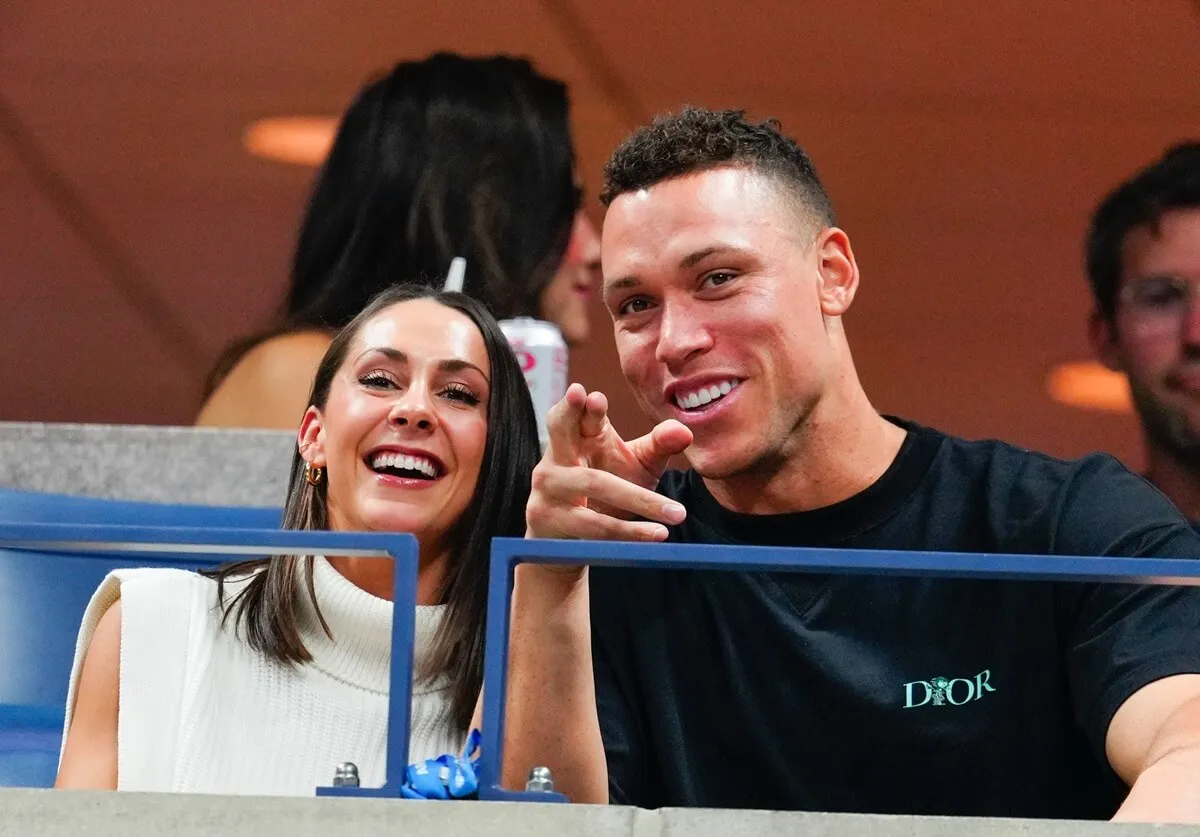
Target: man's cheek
[1147, 362]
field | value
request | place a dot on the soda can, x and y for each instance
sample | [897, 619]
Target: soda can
[542, 354]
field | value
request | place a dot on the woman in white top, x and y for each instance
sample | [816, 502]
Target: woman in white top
[262, 676]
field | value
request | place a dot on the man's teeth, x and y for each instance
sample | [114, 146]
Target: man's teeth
[405, 463]
[705, 395]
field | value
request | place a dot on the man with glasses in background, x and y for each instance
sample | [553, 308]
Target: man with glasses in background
[1143, 261]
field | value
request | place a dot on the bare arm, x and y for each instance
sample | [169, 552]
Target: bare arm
[90, 755]
[1153, 744]
[269, 387]
[551, 708]
[551, 713]
[552, 606]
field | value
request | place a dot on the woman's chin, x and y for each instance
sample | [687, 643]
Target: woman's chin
[394, 520]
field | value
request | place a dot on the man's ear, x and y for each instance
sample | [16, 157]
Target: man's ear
[837, 270]
[1103, 337]
[311, 438]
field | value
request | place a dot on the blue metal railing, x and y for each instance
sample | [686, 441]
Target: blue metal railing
[22, 506]
[508, 552]
[192, 547]
[196, 546]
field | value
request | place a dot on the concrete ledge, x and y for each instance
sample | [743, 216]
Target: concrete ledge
[161, 464]
[71, 813]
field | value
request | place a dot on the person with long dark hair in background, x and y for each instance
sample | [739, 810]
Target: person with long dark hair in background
[448, 156]
[261, 676]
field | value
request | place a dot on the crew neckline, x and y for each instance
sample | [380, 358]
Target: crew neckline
[835, 523]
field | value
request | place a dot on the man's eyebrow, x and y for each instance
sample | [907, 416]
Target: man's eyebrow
[688, 261]
[1159, 274]
[620, 285]
[693, 259]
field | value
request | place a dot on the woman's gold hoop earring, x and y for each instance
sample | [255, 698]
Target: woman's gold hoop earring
[312, 474]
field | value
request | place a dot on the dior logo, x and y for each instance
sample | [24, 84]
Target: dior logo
[940, 691]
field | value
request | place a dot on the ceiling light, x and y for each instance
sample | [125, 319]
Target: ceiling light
[300, 140]
[1089, 385]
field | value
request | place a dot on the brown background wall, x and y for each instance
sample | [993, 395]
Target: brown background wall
[964, 144]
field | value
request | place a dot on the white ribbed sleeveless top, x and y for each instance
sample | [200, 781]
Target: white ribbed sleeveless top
[200, 711]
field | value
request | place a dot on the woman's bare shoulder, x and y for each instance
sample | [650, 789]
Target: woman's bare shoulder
[89, 757]
[269, 386]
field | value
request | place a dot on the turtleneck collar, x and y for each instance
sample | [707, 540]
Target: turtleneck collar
[359, 652]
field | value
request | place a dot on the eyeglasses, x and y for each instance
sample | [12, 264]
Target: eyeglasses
[1160, 301]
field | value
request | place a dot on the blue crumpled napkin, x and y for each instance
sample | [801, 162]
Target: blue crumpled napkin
[446, 777]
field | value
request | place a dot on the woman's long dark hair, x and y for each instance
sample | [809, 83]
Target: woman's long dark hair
[449, 156]
[265, 609]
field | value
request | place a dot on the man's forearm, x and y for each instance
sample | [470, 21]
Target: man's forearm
[551, 712]
[1167, 787]
[1166, 791]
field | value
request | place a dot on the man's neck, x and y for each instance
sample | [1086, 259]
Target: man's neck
[1174, 478]
[843, 447]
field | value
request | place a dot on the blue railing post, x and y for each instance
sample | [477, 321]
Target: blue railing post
[495, 671]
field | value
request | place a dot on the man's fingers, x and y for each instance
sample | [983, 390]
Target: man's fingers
[595, 415]
[572, 487]
[570, 500]
[579, 523]
[655, 449]
[563, 425]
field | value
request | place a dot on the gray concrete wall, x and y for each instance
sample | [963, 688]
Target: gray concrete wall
[162, 464]
[104, 814]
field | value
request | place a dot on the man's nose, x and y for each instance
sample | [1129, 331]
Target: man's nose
[682, 332]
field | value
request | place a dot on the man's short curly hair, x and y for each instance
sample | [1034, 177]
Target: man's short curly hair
[1170, 183]
[697, 139]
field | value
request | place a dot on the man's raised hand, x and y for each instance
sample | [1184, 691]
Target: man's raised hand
[591, 483]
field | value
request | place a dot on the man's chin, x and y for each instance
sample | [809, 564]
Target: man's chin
[1175, 429]
[715, 462]
[1184, 445]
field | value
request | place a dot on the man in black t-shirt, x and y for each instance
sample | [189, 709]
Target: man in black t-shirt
[727, 280]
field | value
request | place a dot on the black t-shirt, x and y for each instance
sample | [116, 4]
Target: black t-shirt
[895, 695]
